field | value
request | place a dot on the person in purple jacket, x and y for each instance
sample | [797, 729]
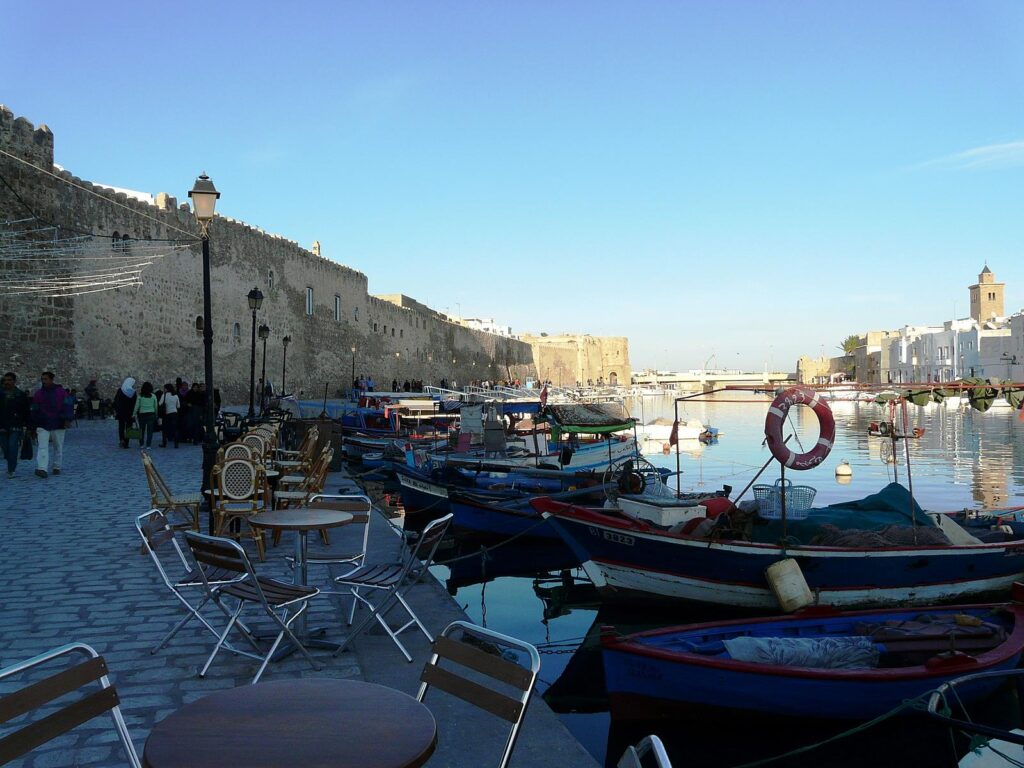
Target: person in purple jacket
[49, 417]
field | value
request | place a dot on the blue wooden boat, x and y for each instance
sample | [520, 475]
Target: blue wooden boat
[837, 666]
[628, 558]
[508, 517]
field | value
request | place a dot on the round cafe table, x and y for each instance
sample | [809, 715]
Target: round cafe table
[302, 520]
[310, 723]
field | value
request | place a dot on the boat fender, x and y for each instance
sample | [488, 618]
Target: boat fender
[789, 585]
[773, 424]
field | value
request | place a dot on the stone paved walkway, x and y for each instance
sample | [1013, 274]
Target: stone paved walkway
[71, 569]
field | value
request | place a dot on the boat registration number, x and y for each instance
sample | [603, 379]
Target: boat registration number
[617, 538]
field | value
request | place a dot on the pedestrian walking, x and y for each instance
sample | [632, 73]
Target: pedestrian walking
[195, 402]
[49, 417]
[124, 408]
[14, 415]
[92, 395]
[171, 404]
[145, 411]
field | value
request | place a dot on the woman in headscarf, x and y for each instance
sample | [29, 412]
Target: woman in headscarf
[124, 408]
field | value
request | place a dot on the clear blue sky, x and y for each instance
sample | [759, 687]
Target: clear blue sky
[752, 180]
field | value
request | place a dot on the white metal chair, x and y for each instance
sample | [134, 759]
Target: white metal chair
[157, 535]
[275, 597]
[392, 581]
[41, 694]
[637, 757]
[360, 507]
[483, 653]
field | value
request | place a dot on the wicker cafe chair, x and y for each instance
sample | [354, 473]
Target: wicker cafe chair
[649, 752]
[482, 655]
[282, 602]
[41, 694]
[161, 496]
[236, 450]
[301, 459]
[392, 581]
[257, 444]
[241, 493]
[158, 537]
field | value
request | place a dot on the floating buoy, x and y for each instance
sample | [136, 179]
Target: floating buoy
[666, 448]
[843, 469]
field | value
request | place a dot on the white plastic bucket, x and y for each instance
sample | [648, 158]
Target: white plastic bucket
[789, 585]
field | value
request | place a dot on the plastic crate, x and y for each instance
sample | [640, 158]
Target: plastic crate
[799, 500]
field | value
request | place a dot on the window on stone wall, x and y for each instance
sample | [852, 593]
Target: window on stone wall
[374, 327]
[401, 334]
[355, 314]
[309, 301]
[385, 330]
[337, 307]
[199, 324]
[270, 279]
[392, 331]
[236, 333]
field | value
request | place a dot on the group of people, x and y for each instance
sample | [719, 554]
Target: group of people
[34, 423]
[175, 410]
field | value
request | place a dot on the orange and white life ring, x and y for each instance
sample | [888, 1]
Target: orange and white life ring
[777, 415]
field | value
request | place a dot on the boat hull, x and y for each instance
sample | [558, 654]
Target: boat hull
[645, 681]
[626, 560]
[500, 521]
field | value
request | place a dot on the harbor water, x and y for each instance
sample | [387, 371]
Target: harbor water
[963, 459]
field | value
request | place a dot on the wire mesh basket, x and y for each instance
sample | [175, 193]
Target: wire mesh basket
[799, 500]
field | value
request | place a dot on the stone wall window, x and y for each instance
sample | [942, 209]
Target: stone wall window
[392, 331]
[199, 325]
[355, 314]
[401, 334]
[337, 307]
[309, 301]
[385, 330]
[236, 333]
[270, 279]
[374, 327]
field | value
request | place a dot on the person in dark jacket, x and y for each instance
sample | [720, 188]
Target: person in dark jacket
[92, 394]
[14, 410]
[49, 417]
[124, 409]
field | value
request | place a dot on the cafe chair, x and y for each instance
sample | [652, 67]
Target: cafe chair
[282, 602]
[234, 451]
[161, 496]
[55, 720]
[649, 753]
[240, 493]
[360, 507]
[391, 581]
[158, 537]
[478, 668]
[257, 444]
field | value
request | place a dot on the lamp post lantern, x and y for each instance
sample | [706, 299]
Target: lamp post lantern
[264, 334]
[255, 298]
[204, 200]
[284, 360]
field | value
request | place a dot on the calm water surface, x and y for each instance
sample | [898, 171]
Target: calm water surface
[964, 459]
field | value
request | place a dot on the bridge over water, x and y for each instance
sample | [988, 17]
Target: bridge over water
[703, 380]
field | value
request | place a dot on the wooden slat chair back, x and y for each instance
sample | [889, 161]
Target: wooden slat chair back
[306, 453]
[162, 497]
[44, 693]
[649, 753]
[241, 493]
[298, 495]
[477, 671]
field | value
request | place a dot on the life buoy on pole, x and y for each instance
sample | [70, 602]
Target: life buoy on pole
[777, 415]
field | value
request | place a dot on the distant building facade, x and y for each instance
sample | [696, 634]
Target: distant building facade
[567, 359]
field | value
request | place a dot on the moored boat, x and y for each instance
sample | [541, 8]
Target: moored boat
[852, 665]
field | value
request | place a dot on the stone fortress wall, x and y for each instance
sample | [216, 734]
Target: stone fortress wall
[150, 331]
[567, 359]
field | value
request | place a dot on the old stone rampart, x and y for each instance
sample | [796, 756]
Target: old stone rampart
[153, 331]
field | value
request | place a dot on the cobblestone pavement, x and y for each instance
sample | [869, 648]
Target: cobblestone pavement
[71, 570]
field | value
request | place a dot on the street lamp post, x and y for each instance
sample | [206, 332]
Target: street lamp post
[264, 334]
[255, 297]
[353, 368]
[204, 200]
[284, 360]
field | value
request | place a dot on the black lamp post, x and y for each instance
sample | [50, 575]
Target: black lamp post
[353, 367]
[284, 360]
[264, 334]
[204, 200]
[255, 300]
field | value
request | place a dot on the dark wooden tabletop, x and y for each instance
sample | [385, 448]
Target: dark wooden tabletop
[300, 519]
[313, 723]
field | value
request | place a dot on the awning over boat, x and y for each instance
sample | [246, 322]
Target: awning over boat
[587, 418]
